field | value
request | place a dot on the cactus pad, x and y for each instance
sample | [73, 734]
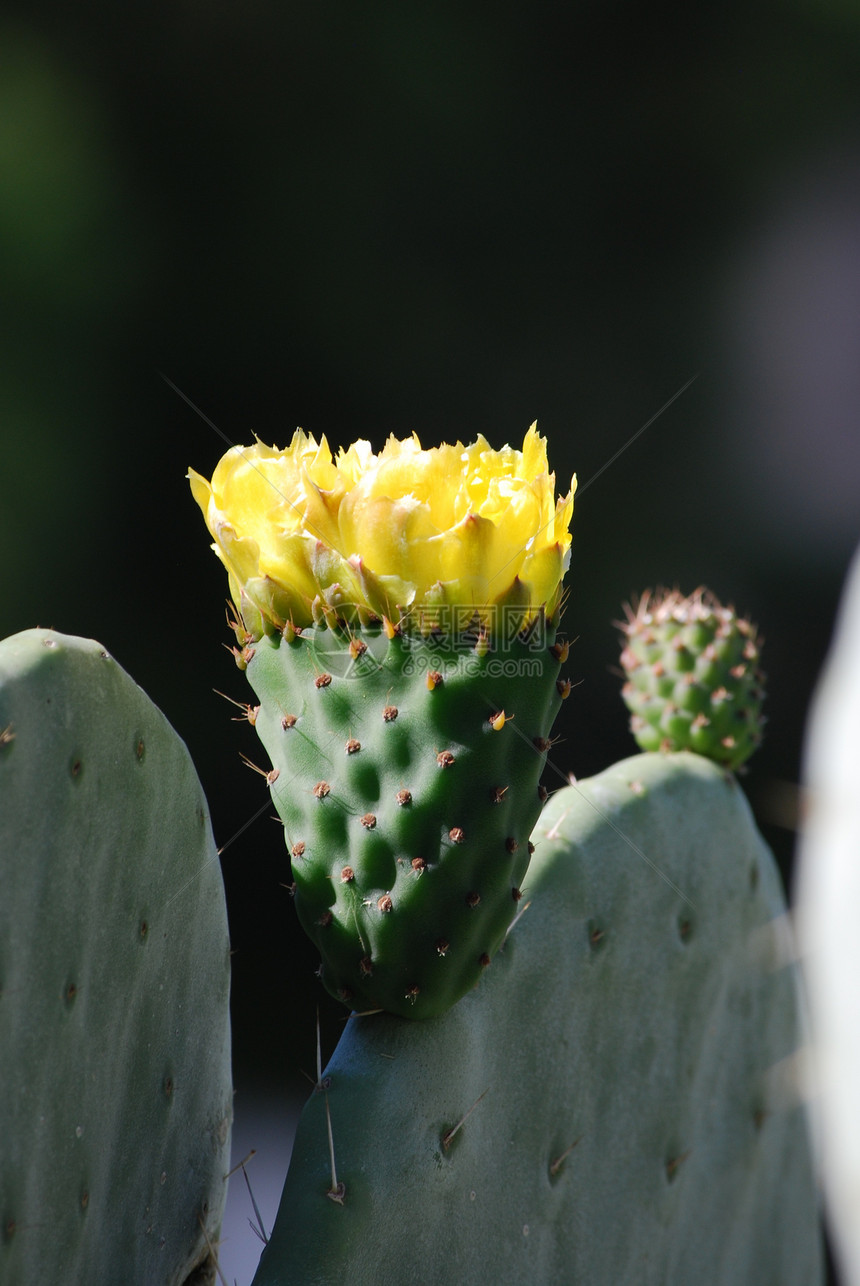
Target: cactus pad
[693, 680]
[828, 918]
[114, 978]
[611, 1104]
[406, 771]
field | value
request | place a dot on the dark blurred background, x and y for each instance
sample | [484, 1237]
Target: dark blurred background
[449, 218]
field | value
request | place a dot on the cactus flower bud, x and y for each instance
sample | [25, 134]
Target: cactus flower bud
[693, 676]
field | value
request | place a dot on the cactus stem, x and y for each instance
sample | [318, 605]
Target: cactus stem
[454, 731]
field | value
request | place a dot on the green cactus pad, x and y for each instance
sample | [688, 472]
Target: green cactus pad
[613, 1104]
[406, 772]
[114, 977]
[693, 680]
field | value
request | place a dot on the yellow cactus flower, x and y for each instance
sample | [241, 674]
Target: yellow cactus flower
[439, 536]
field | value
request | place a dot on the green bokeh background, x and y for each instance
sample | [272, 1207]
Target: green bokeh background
[449, 218]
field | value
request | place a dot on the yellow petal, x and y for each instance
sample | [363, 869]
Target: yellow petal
[454, 527]
[534, 454]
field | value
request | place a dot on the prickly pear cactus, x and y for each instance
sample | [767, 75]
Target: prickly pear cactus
[407, 775]
[396, 615]
[114, 979]
[693, 678]
[828, 916]
[610, 1105]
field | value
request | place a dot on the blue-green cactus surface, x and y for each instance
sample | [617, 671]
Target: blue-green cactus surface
[115, 1085]
[610, 1105]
